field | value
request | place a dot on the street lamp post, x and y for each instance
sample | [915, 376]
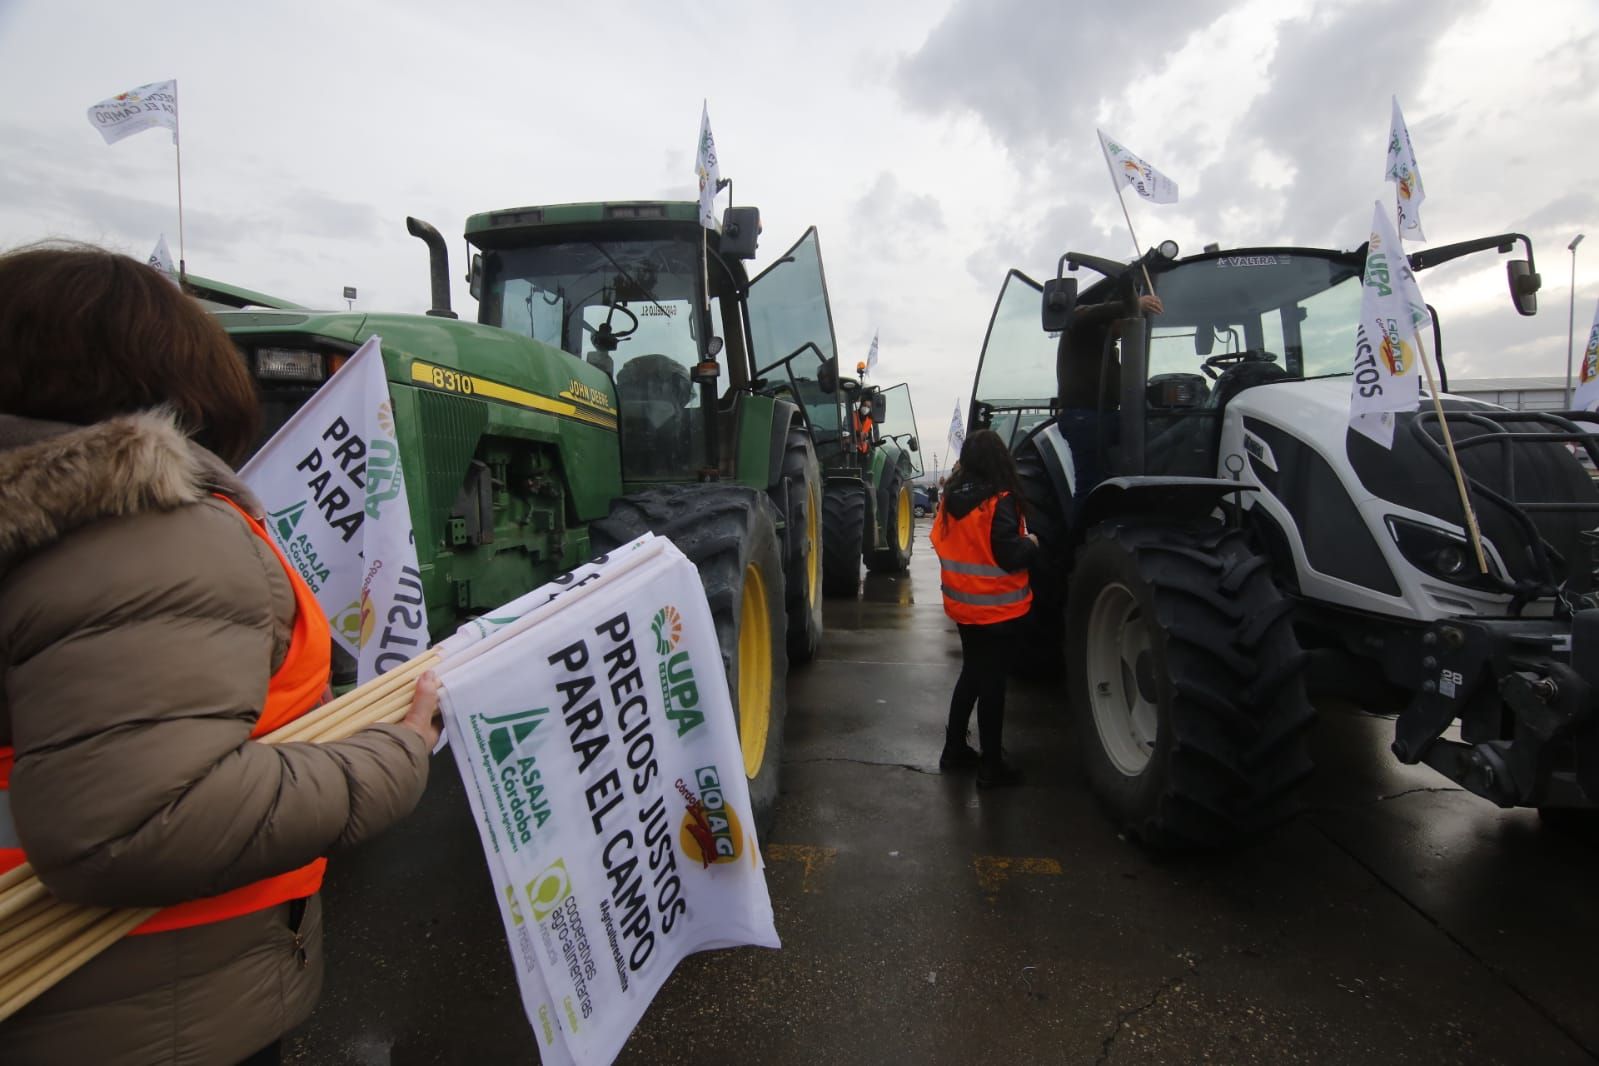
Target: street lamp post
[1571, 317]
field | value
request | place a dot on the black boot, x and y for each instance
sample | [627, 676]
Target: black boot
[995, 772]
[958, 755]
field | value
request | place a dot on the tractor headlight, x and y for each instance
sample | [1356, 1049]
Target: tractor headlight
[289, 364]
[1440, 553]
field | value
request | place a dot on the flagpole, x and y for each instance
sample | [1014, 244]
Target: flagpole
[1454, 459]
[177, 144]
[1138, 250]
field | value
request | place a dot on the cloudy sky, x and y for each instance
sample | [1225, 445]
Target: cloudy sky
[933, 144]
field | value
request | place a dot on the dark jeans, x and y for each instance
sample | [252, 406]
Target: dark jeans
[985, 659]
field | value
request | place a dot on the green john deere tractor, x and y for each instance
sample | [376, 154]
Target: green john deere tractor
[870, 472]
[609, 387]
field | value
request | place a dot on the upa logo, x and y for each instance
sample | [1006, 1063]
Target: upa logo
[710, 832]
[549, 889]
[667, 625]
[679, 691]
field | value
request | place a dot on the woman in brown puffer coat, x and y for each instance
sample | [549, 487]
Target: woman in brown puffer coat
[141, 620]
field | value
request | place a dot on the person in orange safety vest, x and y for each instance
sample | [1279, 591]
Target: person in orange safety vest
[980, 535]
[863, 427]
[150, 634]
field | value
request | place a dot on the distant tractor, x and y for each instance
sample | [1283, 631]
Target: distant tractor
[1222, 546]
[609, 387]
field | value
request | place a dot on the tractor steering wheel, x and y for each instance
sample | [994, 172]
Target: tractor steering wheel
[605, 338]
[1248, 355]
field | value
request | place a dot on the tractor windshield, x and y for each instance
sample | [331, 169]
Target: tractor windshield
[627, 307]
[1298, 309]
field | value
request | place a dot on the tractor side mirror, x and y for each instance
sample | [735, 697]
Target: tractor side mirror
[827, 376]
[982, 415]
[1060, 299]
[1524, 285]
[912, 444]
[474, 277]
[1204, 338]
[879, 408]
[741, 228]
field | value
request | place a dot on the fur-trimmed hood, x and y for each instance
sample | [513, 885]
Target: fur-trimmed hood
[57, 477]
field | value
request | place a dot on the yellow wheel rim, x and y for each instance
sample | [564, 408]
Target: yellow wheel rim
[813, 561]
[754, 671]
[903, 527]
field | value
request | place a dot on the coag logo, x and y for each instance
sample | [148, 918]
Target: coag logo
[547, 891]
[667, 626]
[1590, 357]
[1396, 354]
[710, 831]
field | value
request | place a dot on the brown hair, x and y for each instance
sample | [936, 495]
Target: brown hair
[87, 334]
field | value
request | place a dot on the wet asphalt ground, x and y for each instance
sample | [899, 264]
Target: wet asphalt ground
[1399, 921]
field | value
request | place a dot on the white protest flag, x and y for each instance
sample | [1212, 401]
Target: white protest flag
[1586, 395]
[137, 110]
[597, 740]
[957, 434]
[871, 356]
[1129, 169]
[708, 171]
[1406, 176]
[161, 258]
[1387, 346]
[334, 493]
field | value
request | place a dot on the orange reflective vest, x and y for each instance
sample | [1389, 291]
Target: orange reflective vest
[977, 590]
[298, 686]
[863, 432]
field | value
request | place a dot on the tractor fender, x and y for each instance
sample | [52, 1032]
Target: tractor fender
[784, 415]
[1164, 497]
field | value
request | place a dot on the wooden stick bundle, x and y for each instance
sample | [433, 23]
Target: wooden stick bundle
[42, 939]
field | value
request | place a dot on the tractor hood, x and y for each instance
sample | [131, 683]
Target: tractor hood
[1363, 511]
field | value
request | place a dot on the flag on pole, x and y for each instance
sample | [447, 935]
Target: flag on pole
[161, 257]
[1387, 345]
[957, 434]
[1586, 396]
[137, 110]
[1406, 176]
[1129, 169]
[618, 848]
[333, 490]
[871, 356]
[709, 172]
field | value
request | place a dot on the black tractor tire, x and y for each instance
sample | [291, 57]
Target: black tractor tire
[1042, 628]
[843, 527]
[899, 537]
[798, 495]
[729, 533]
[1219, 678]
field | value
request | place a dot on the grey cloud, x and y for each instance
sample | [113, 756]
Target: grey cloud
[1031, 69]
[1342, 68]
[889, 206]
[1574, 209]
[309, 212]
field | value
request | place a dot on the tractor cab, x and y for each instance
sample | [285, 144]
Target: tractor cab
[644, 293]
[1144, 395]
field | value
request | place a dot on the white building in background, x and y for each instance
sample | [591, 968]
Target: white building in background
[1517, 394]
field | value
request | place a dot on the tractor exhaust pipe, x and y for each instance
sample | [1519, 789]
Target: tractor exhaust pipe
[438, 266]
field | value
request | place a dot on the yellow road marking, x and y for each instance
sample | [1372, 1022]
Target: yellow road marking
[815, 859]
[994, 870]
